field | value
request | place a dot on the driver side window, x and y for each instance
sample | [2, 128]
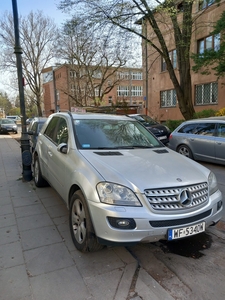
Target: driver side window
[62, 132]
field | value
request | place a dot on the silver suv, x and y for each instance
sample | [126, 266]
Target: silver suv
[120, 184]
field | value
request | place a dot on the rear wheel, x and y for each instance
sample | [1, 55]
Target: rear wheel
[81, 227]
[38, 178]
[185, 150]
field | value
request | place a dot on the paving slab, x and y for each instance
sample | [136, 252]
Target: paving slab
[38, 260]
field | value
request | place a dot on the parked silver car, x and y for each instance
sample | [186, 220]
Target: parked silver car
[201, 139]
[120, 183]
[8, 125]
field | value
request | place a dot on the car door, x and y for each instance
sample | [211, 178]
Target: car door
[46, 141]
[220, 143]
[57, 160]
[202, 141]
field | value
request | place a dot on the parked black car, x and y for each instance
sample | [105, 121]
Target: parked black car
[7, 125]
[162, 132]
[34, 129]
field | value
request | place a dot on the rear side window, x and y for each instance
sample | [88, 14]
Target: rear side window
[221, 130]
[205, 129]
[188, 128]
[199, 129]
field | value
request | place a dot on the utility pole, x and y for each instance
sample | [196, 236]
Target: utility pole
[25, 144]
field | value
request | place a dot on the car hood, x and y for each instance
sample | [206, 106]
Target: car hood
[158, 129]
[141, 169]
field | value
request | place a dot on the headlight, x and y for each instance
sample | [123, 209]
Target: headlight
[115, 194]
[213, 187]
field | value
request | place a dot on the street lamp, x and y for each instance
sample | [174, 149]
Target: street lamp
[25, 144]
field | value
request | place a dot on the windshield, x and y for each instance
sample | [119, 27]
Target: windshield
[113, 134]
[8, 121]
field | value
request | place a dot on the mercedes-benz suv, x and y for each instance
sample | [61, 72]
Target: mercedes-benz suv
[120, 184]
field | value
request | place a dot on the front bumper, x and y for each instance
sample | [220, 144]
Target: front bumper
[149, 226]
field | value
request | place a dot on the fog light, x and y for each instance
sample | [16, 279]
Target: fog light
[122, 223]
[219, 205]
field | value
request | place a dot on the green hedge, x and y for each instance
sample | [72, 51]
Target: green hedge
[173, 124]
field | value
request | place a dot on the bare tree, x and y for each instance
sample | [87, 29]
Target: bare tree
[160, 18]
[93, 56]
[38, 35]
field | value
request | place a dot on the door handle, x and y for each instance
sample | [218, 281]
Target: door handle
[49, 153]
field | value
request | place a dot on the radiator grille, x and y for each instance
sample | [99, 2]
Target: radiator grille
[169, 199]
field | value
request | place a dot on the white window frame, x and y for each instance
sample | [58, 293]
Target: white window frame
[136, 91]
[123, 91]
[168, 98]
[136, 75]
[206, 94]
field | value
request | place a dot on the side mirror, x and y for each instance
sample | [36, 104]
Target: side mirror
[63, 147]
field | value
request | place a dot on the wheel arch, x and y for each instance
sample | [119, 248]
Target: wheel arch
[192, 156]
[73, 189]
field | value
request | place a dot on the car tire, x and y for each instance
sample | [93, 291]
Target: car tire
[81, 227]
[185, 150]
[38, 178]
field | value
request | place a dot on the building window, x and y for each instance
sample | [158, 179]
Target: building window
[97, 74]
[136, 75]
[72, 74]
[98, 93]
[168, 98]
[211, 42]
[205, 3]
[110, 99]
[123, 75]
[206, 93]
[173, 58]
[136, 91]
[123, 91]
[57, 95]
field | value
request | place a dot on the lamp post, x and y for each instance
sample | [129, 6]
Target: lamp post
[25, 144]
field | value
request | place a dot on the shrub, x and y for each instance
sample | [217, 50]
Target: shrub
[173, 124]
[221, 112]
[205, 114]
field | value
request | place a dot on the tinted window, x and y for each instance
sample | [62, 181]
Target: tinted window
[50, 130]
[62, 132]
[188, 128]
[34, 127]
[205, 129]
[198, 128]
[221, 130]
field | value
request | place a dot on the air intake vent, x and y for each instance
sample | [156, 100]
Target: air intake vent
[108, 153]
[161, 151]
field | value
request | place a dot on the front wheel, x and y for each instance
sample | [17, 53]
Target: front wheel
[185, 150]
[81, 227]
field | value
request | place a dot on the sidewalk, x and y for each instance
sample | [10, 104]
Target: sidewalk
[38, 260]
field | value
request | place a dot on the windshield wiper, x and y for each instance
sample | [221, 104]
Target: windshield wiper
[126, 147]
[142, 146]
[116, 148]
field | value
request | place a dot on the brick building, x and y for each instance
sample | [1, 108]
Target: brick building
[207, 91]
[66, 87]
